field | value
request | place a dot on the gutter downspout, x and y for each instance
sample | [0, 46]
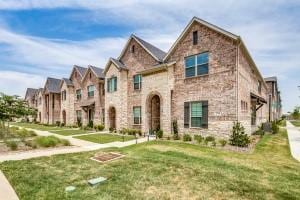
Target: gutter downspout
[237, 78]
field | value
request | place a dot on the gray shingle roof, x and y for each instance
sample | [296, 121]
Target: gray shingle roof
[30, 92]
[81, 70]
[273, 78]
[118, 63]
[53, 85]
[158, 53]
[67, 81]
[98, 71]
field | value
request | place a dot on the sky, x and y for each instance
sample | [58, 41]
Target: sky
[41, 38]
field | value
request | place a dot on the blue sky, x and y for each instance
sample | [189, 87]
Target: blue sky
[40, 38]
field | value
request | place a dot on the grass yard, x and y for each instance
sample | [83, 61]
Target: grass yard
[164, 170]
[70, 132]
[295, 123]
[37, 126]
[104, 138]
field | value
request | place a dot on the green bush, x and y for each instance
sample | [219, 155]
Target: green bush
[176, 137]
[62, 124]
[175, 127]
[65, 142]
[213, 143]
[99, 127]
[47, 141]
[210, 138]
[223, 142]
[87, 128]
[260, 131]
[159, 133]
[238, 136]
[57, 123]
[13, 145]
[30, 144]
[282, 122]
[198, 138]
[90, 124]
[275, 127]
[187, 137]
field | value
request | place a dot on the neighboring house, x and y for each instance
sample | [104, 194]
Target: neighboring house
[205, 82]
[274, 98]
[40, 105]
[52, 101]
[67, 114]
[31, 99]
[82, 96]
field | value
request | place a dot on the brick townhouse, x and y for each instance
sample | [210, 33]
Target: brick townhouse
[205, 82]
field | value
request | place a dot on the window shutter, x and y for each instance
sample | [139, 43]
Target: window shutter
[115, 79]
[205, 114]
[186, 114]
[108, 85]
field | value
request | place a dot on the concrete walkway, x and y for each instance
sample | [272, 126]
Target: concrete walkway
[6, 190]
[78, 146]
[294, 139]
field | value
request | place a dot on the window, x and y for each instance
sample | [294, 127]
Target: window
[196, 114]
[40, 100]
[112, 84]
[132, 49]
[103, 116]
[137, 82]
[90, 75]
[195, 37]
[78, 94]
[244, 106]
[53, 101]
[78, 115]
[91, 89]
[64, 95]
[259, 86]
[137, 119]
[196, 65]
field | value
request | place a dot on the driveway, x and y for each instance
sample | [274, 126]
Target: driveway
[294, 139]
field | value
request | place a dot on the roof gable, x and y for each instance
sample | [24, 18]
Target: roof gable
[189, 26]
[30, 92]
[95, 70]
[52, 85]
[80, 70]
[155, 52]
[118, 64]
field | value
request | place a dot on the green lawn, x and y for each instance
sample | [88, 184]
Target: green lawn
[296, 123]
[37, 126]
[70, 132]
[164, 170]
[104, 138]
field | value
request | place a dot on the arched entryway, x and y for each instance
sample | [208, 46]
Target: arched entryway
[154, 110]
[112, 118]
[64, 117]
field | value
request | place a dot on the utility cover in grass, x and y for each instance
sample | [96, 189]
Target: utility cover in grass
[107, 157]
[70, 188]
[96, 181]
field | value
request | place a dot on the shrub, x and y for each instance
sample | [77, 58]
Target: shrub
[87, 128]
[62, 124]
[139, 132]
[30, 144]
[99, 127]
[223, 142]
[111, 129]
[282, 122]
[175, 127]
[210, 139]
[260, 131]
[13, 145]
[275, 127]
[238, 136]
[213, 143]
[90, 124]
[47, 141]
[65, 142]
[57, 123]
[159, 133]
[176, 137]
[198, 138]
[187, 137]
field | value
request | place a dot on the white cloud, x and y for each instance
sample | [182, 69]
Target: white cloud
[13, 83]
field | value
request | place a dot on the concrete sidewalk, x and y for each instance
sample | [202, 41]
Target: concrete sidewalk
[294, 139]
[6, 190]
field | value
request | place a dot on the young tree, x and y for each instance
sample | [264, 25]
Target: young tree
[296, 113]
[13, 107]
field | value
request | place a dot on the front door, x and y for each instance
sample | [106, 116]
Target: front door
[91, 115]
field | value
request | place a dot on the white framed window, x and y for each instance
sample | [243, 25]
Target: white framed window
[91, 90]
[137, 115]
[112, 84]
[196, 65]
[137, 82]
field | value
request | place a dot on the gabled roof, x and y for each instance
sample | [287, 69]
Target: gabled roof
[96, 71]
[67, 81]
[30, 92]
[81, 70]
[40, 90]
[205, 23]
[52, 85]
[117, 63]
[155, 52]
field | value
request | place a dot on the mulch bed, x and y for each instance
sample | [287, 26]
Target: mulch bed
[106, 157]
